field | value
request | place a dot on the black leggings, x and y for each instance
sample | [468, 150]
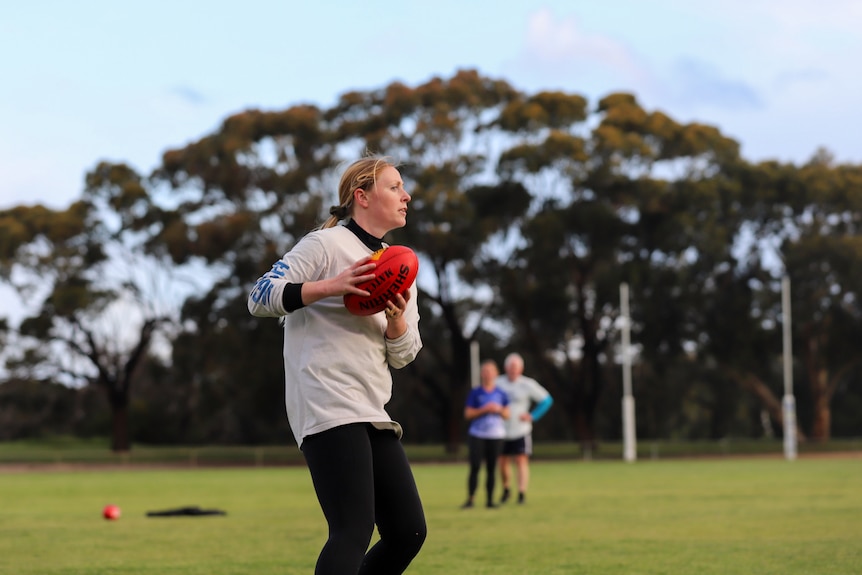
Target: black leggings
[362, 477]
[487, 450]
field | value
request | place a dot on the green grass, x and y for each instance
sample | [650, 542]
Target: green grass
[719, 516]
[71, 450]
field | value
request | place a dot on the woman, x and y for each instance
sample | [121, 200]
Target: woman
[337, 378]
[486, 409]
[523, 392]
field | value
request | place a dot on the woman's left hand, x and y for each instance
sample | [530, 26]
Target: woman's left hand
[396, 325]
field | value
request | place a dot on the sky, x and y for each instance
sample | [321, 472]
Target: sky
[96, 80]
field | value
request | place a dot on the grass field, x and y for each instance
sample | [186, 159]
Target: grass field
[711, 516]
[95, 451]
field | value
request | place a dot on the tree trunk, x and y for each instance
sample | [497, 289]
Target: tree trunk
[818, 381]
[459, 376]
[453, 427]
[582, 408]
[120, 428]
[583, 428]
[589, 379]
[821, 425]
[772, 404]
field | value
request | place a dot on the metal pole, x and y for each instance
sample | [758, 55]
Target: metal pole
[788, 403]
[474, 363]
[629, 440]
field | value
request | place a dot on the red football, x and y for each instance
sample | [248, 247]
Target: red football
[111, 512]
[395, 272]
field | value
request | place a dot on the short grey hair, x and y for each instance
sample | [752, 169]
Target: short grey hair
[513, 357]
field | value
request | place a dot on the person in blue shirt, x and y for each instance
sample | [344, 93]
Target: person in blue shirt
[486, 409]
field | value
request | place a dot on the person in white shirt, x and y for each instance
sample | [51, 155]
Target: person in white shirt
[337, 374]
[523, 393]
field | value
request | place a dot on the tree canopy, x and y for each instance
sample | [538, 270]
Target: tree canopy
[528, 211]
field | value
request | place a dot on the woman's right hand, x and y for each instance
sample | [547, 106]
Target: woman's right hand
[346, 281]
[343, 283]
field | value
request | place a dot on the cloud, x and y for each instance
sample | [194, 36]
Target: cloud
[836, 15]
[695, 83]
[558, 53]
[804, 78]
[554, 40]
[189, 95]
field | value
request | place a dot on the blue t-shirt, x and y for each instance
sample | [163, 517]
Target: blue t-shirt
[488, 425]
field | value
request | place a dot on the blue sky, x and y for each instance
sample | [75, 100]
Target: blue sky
[96, 79]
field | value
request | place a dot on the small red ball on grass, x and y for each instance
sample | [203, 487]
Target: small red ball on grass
[111, 512]
[396, 271]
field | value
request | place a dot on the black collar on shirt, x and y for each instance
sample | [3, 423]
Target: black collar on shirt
[370, 241]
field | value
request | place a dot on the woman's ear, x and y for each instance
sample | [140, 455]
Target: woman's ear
[360, 197]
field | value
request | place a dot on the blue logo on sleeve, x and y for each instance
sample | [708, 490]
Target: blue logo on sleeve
[263, 288]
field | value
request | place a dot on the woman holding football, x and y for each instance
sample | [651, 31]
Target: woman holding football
[337, 378]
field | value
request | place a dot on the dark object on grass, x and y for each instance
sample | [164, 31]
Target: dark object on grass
[193, 510]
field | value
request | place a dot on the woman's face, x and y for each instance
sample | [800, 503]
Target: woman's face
[387, 202]
[488, 373]
[514, 369]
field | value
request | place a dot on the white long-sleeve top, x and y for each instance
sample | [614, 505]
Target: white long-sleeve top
[336, 364]
[521, 392]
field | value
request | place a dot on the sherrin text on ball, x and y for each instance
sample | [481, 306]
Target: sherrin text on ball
[396, 271]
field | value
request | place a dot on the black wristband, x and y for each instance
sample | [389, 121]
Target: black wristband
[291, 297]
